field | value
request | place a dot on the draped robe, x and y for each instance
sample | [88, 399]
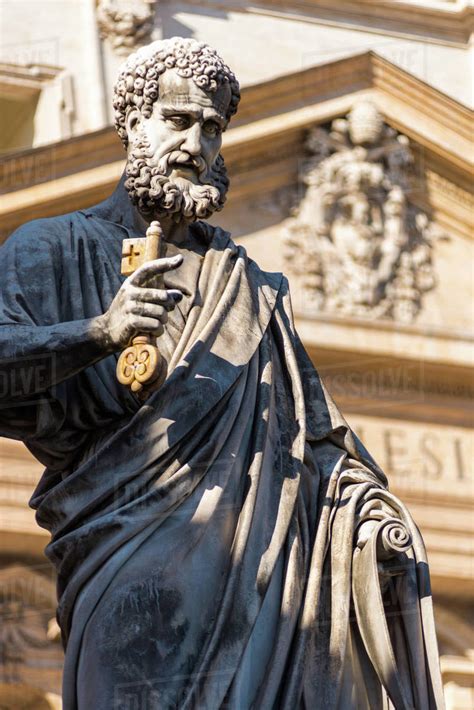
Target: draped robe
[206, 541]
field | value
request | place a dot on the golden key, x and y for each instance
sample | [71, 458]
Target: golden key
[141, 365]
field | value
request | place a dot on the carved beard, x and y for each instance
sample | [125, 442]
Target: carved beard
[156, 194]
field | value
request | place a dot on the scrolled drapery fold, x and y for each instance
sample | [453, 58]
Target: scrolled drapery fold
[393, 604]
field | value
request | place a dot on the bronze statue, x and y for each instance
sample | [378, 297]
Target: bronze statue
[221, 537]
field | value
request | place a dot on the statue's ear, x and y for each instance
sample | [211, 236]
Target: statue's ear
[133, 122]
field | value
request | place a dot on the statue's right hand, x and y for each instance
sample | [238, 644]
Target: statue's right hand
[138, 307]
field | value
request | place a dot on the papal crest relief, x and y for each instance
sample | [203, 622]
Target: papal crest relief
[356, 246]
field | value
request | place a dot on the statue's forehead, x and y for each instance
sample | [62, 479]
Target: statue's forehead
[175, 89]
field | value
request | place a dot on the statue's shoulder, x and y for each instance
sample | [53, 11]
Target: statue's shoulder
[35, 257]
[220, 239]
[42, 233]
[272, 279]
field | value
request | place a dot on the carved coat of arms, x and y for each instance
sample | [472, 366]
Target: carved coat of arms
[356, 245]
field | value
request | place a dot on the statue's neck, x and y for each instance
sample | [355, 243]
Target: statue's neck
[119, 208]
[175, 233]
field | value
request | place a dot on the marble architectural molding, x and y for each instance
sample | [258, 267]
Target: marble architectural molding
[31, 655]
[445, 21]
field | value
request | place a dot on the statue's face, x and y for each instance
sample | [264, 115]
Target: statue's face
[185, 118]
[180, 144]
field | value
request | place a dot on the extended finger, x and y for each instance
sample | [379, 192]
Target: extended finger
[151, 310]
[154, 268]
[164, 297]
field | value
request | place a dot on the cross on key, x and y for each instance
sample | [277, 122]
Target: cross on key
[133, 254]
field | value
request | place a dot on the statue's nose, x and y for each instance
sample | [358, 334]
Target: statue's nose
[192, 141]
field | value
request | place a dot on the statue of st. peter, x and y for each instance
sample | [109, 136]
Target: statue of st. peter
[222, 539]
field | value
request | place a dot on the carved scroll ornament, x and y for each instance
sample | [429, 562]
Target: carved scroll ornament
[125, 24]
[356, 245]
[389, 566]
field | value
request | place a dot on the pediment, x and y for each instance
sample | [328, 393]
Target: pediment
[277, 115]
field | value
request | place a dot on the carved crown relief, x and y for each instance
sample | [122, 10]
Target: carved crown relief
[126, 24]
[356, 245]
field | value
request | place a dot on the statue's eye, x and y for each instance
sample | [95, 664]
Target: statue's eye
[212, 128]
[180, 122]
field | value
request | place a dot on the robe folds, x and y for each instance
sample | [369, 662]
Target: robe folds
[228, 543]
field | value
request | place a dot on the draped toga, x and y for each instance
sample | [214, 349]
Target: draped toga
[206, 540]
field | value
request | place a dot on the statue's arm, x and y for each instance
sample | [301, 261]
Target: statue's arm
[34, 358]
[35, 353]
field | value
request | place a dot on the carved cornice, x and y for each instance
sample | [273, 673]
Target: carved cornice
[19, 475]
[455, 632]
[443, 124]
[393, 382]
[445, 22]
[24, 81]
[458, 668]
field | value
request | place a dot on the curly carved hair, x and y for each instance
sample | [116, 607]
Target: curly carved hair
[137, 83]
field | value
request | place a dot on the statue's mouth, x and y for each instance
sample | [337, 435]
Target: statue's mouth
[189, 168]
[186, 172]
[186, 162]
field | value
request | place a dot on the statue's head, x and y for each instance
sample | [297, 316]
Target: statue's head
[173, 99]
